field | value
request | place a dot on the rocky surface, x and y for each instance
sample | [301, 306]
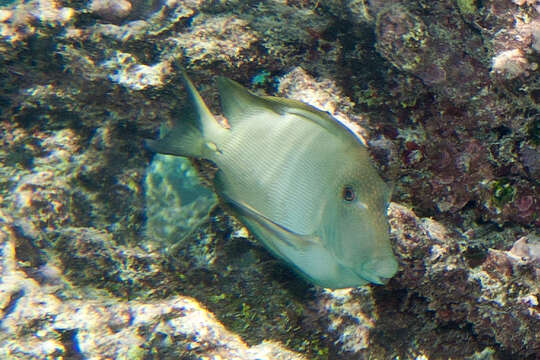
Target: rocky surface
[445, 93]
[43, 316]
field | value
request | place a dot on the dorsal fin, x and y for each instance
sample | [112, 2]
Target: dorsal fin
[238, 103]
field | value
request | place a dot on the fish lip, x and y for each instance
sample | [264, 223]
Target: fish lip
[383, 280]
[369, 273]
[375, 279]
[372, 278]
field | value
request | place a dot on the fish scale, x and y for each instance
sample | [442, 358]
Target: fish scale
[263, 173]
[299, 180]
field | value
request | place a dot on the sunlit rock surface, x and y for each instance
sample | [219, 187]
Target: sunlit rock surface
[82, 323]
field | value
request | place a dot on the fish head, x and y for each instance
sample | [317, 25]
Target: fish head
[356, 229]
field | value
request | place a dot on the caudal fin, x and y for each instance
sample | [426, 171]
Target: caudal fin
[184, 139]
[190, 135]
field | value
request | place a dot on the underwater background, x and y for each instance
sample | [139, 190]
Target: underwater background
[108, 251]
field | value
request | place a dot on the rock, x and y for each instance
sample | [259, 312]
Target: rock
[111, 10]
[51, 319]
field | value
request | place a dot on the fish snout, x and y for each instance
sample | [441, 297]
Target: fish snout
[379, 270]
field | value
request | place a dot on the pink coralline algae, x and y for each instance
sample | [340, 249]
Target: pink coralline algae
[497, 295]
[527, 208]
[418, 45]
[530, 156]
[466, 138]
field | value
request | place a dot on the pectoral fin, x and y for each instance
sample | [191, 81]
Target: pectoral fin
[263, 225]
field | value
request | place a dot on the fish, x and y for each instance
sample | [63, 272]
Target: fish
[299, 180]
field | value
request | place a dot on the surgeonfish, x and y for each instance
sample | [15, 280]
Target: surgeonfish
[297, 178]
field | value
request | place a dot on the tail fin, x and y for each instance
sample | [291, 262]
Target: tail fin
[183, 139]
[189, 137]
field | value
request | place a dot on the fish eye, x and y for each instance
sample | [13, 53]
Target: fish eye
[348, 193]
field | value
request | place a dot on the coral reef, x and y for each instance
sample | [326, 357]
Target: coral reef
[37, 323]
[176, 201]
[445, 93]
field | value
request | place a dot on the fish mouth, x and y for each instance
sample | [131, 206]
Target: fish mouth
[375, 279]
[379, 270]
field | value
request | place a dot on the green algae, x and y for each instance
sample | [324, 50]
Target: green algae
[467, 7]
[276, 316]
[503, 192]
[261, 78]
[534, 132]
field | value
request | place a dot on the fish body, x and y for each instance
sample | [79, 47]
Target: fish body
[299, 180]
